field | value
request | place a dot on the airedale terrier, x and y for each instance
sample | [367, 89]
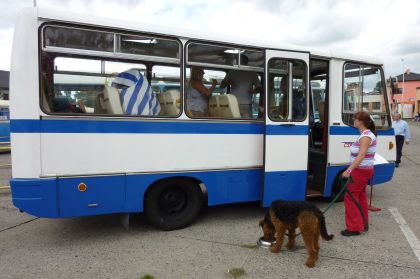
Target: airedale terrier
[289, 215]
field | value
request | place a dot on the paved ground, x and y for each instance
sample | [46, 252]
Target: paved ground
[223, 238]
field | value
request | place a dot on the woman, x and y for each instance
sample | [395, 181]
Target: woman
[197, 94]
[362, 153]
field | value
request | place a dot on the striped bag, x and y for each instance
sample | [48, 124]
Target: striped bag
[137, 97]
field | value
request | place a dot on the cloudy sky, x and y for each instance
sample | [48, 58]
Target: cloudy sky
[386, 29]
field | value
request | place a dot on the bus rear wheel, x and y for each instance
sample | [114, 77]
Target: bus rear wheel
[173, 204]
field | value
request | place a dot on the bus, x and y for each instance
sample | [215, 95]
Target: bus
[87, 138]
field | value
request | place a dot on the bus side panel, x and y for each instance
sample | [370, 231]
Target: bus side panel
[227, 186]
[103, 195]
[37, 197]
[286, 185]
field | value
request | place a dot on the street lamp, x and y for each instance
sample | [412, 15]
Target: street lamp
[403, 88]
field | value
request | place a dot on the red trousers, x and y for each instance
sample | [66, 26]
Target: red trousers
[354, 219]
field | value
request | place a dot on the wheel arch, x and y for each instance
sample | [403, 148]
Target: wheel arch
[199, 183]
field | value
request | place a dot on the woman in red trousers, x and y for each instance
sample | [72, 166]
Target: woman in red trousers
[362, 153]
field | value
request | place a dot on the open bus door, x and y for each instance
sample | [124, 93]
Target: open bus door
[286, 134]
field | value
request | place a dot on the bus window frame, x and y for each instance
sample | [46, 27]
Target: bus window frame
[211, 66]
[230, 67]
[116, 52]
[290, 119]
[383, 84]
[105, 56]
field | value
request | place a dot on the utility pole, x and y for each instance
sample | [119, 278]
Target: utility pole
[403, 88]
[34, 3]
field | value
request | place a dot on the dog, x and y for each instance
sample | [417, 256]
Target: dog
[289, 215]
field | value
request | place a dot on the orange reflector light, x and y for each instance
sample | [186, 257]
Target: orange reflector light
[82, 187]
[391, 145]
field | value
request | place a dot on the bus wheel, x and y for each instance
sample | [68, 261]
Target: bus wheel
[336, 189]
[173, 204]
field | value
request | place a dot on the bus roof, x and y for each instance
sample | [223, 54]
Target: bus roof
[98, 21]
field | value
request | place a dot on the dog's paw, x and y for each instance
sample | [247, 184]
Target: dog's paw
[310, 264]
[275, 249]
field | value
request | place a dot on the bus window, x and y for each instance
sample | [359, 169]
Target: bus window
[280, 89]
[148, 46]
[364, 91]
[64, 37]
[78, 77]
[241, 79]
[166, 86]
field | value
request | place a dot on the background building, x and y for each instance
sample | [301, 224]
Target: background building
[408, 101]
[4, 85]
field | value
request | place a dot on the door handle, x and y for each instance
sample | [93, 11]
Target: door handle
[288, 124]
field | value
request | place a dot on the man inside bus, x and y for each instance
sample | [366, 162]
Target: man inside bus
[243, 85]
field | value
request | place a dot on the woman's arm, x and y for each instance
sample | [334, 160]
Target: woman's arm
[202, 89]
[364, 146]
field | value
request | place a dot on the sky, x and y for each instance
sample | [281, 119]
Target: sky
[389, 30]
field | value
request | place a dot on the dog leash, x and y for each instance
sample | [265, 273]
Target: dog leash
[344, 189]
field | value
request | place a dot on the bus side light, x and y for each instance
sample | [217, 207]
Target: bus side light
[391, 145]
[82, 187]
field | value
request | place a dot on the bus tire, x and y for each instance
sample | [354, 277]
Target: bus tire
[336, 189]
[173, 204]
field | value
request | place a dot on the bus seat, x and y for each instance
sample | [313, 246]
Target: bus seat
[172, 102]
[214, 108]
[112, 100]
[229, 106]
[99, 105]
[161, 100]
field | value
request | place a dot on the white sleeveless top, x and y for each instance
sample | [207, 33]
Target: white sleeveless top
[368, 161]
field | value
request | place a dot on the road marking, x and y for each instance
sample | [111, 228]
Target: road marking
[409, 235]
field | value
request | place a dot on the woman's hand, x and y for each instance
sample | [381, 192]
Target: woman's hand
[345, 174]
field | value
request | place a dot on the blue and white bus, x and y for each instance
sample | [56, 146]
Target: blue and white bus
[78, 148]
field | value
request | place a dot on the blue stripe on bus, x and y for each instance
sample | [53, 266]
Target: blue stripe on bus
[287, 129]
[168, 127]
[155, 127]
[347, 130]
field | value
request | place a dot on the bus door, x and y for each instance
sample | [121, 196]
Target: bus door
[286, 130]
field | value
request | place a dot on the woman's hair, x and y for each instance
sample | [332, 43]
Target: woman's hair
[195, 73]
[367, 121]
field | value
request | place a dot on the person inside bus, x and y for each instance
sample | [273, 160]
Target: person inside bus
[197, 94]
[243, 85]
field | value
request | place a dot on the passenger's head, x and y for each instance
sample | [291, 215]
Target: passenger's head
[396, 116]
[197, 73]
[363, 120]
[244, 59]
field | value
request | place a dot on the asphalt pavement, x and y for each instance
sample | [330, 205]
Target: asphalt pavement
[223, 238]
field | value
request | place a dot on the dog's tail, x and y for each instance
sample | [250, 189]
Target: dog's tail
[323, 227]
